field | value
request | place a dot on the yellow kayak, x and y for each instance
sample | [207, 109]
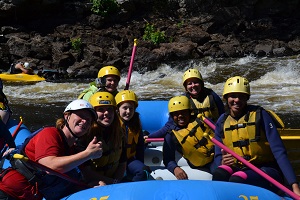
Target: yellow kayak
[21, 77]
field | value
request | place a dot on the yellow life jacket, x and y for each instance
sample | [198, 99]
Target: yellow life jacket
[195, 148]
[247, 138]
[132, 140]
[208, 107]
[108, 163]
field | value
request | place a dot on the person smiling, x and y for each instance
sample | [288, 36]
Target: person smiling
[127, 103]
[108, 80]
[186, 137]
[202, 100]
[52, 147]
[110, 168]
[250, 132]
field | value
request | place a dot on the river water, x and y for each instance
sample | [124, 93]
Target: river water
[274, 82]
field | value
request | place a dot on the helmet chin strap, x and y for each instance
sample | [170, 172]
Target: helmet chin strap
[67, 125]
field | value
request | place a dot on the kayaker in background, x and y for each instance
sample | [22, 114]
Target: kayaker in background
[53, 148]
[21, 67]
[5, 111]
[110, 168]
[107, 80]
[127, 103]
[250, 132]
[186, 138]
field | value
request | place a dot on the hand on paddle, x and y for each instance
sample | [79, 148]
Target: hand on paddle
[296, 189]
[94, 149]
[227, 158]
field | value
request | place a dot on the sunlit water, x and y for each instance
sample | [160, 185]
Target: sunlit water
[274, 85]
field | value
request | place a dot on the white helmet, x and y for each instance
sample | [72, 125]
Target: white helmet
[26, 65]
[79, 104]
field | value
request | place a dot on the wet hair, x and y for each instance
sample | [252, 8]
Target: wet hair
[61, 122]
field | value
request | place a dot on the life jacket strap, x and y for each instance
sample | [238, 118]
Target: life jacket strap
[241, 143]
[30, 174]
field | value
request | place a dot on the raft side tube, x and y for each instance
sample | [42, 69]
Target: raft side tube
[153, 114]
[174, 189]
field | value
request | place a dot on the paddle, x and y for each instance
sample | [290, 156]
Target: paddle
[131, 64]
[50, 171]
[154, 140]
[245, 162]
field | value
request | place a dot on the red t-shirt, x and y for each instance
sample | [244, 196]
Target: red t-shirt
[48, 142]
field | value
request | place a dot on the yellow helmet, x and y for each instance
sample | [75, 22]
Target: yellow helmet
[191, 73]
[236, 84]
[102, 99]
[126, 95]
[178, 103]
[108, 70]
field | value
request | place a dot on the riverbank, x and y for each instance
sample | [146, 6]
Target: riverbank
[70, 38]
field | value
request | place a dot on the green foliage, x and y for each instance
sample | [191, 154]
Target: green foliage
[104, 7]
[180, 24]
[76, 44]
[154, 35]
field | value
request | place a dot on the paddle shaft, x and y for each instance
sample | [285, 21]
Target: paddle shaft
[154, 140]
[15, 133]
[51, 171]
[131, 64]
[248, 164]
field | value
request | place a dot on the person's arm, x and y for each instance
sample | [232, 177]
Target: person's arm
[119, 174]
[278, 148]
[140, 148]
[92, 177]
[219, 103]
[169, 149]
[7, 136]
[169, 153]
[162, 131]
[218, 133]
[20, 66]
[64, 164]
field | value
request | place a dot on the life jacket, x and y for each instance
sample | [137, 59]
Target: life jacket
[247, 137]
[88, 92]
[208, 107]
[51, 186]
[108, 163]
[195, 148]
[132, 140]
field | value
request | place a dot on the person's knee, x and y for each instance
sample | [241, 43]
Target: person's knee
[222, 173]
[238, 177]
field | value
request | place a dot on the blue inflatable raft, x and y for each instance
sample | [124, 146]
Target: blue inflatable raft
[153, 114]
[180, 190]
